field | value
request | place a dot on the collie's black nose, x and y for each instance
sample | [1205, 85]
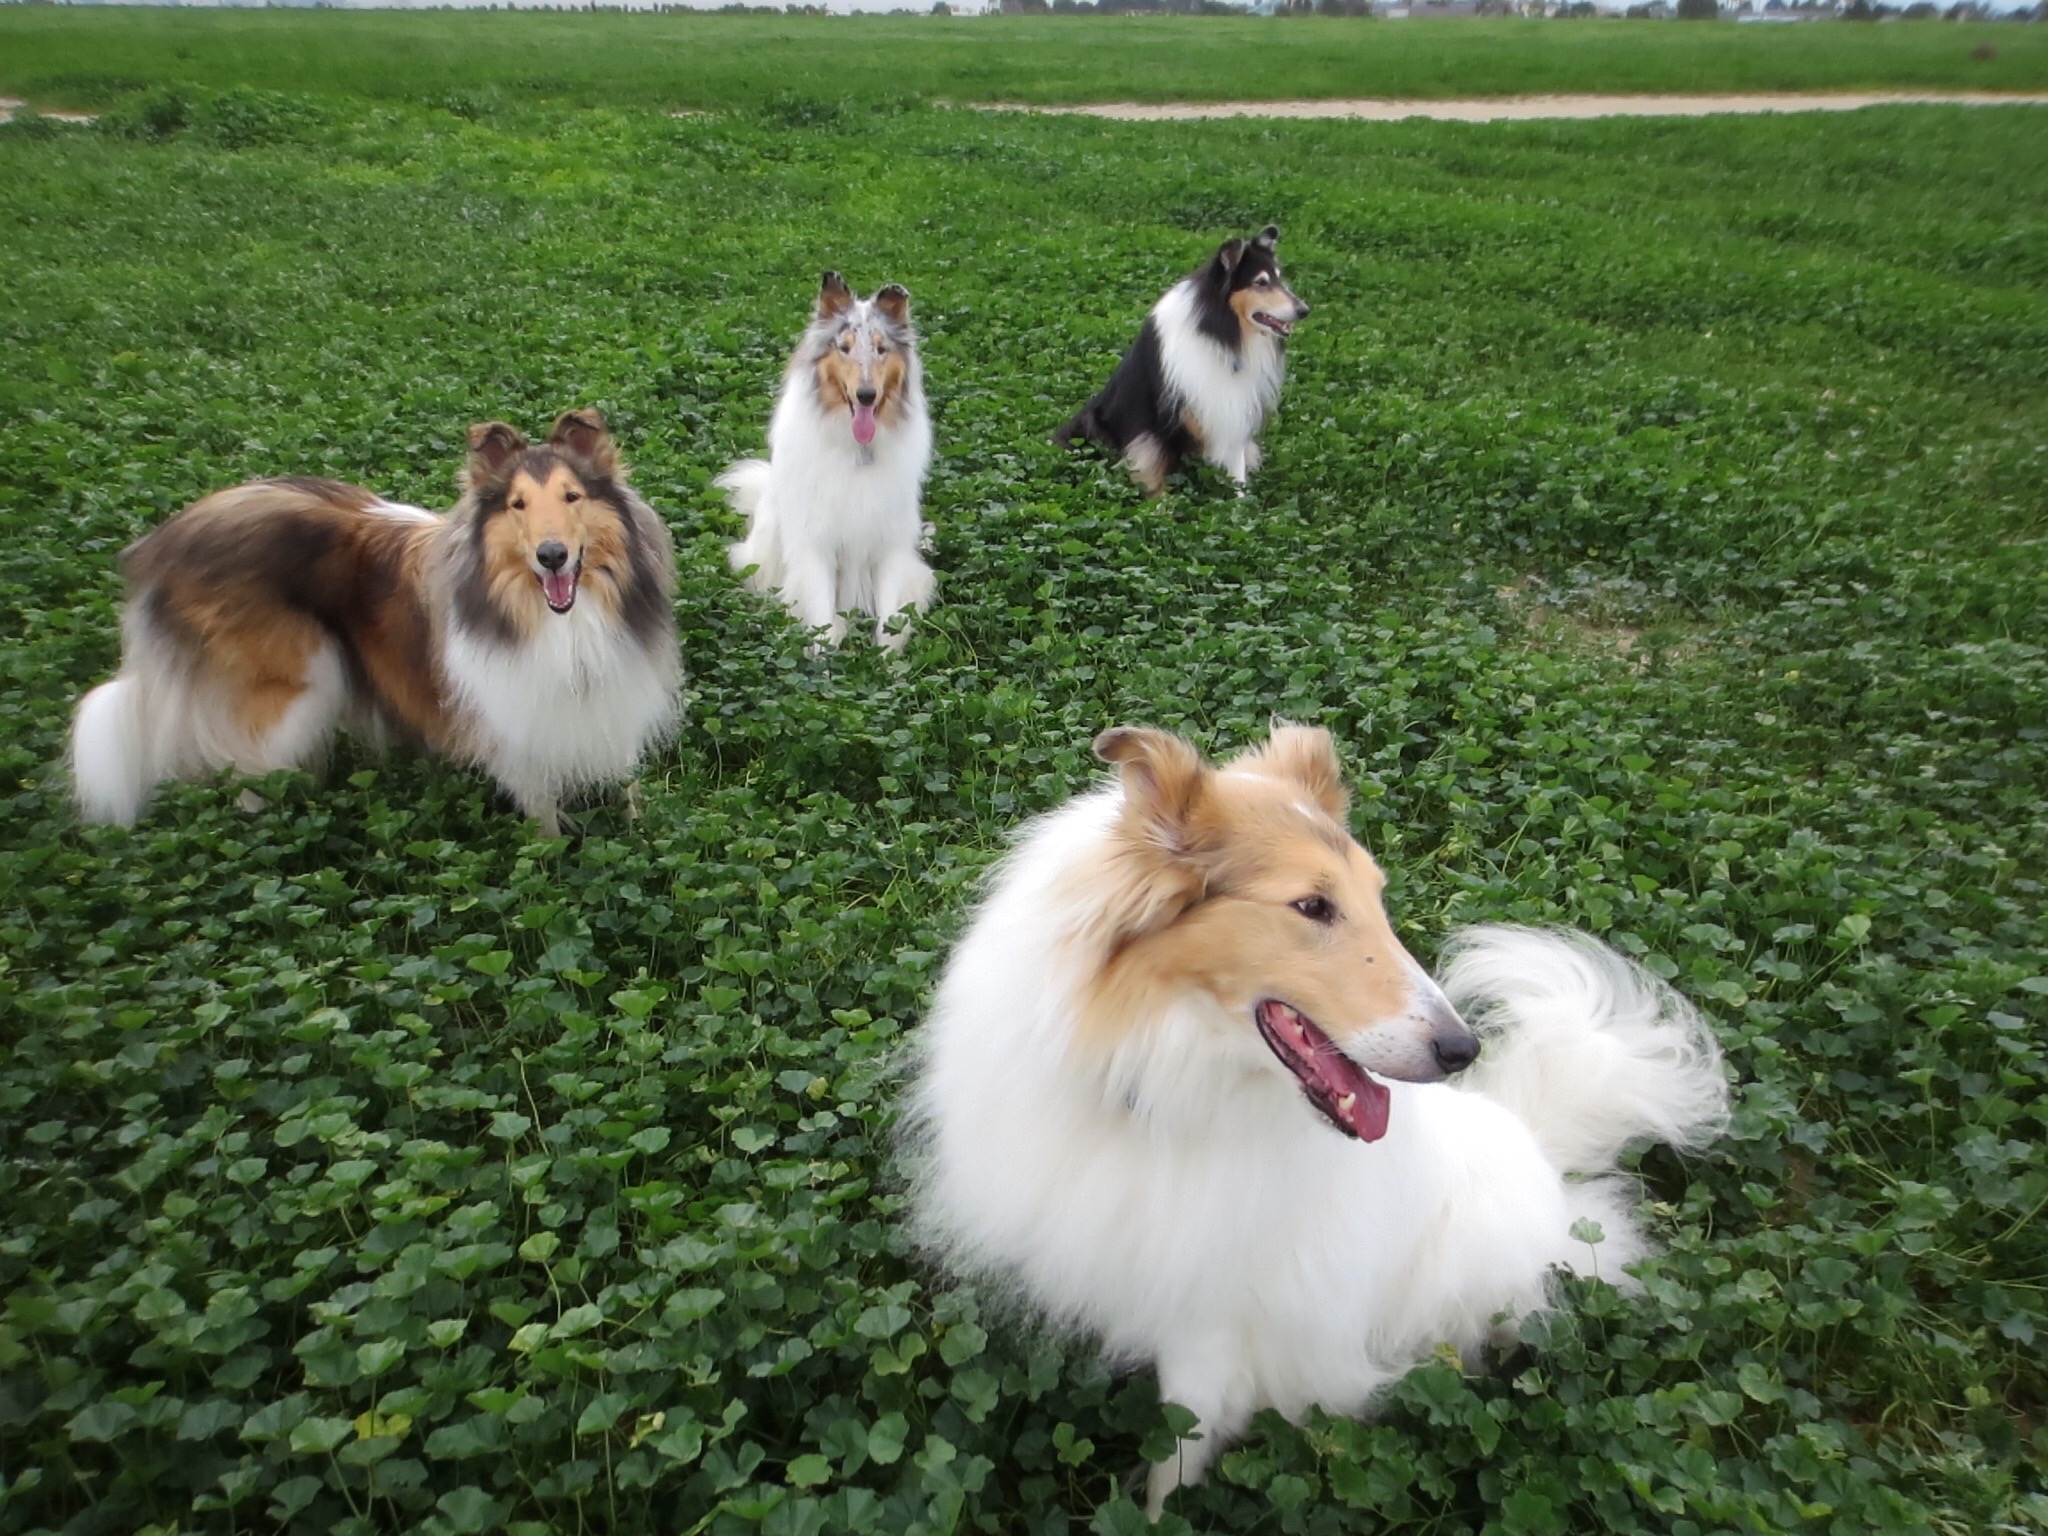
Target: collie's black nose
[554, 554]
[864, 396]
[1454, 1053]
[1302, 312]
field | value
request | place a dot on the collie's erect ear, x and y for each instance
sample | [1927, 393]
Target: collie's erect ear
[584, 434]
[492, 446]
[894, 301]
[1268, 237]
[834, 297]
[1306, 757]
[1228, 255]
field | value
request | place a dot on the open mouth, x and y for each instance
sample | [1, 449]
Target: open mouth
[1339, 1088]
[1273, 323]
[559, 587]
[863, 423]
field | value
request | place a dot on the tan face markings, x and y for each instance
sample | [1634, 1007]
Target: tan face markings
[862, 358]
[536, 548]
[1249, 889]
[1271, 297]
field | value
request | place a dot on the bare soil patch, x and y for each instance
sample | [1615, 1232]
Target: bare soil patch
[1538, 108]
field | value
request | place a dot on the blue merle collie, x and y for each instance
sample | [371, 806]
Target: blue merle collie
[1205, 372]
[832, 513]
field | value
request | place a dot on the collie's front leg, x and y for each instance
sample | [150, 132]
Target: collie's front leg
[904, 582]
[1238, 466]
[1206, 1382]
[810, 591]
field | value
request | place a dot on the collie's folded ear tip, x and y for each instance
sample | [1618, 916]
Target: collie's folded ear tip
[1301, 738]
[483, 432]
[586, 418]
[833, 294]
[491, 443]
[1117, 743]
[1269, 236]
[893, 300]
[1307, 756]
[583, 431]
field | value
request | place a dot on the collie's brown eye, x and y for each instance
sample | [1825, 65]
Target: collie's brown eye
[572, 495]
[518, 506]
[1317, 909]
[1262, 281]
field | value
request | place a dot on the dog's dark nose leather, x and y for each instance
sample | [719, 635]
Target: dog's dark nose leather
[1303, 315]
[864, 396]
[554, 554]
[1454, 1053]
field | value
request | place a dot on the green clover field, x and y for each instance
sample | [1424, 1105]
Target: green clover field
[1655, 515]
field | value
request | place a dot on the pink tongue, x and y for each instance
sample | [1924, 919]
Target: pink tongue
[863, 424]
[1368, 1116]
[560, 587]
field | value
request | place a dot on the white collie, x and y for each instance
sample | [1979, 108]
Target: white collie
[529, 632]
[1178, 1090]
[832, 512]
[1204, 375]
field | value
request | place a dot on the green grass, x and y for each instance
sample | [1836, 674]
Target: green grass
[85, 56]
[1654, 515]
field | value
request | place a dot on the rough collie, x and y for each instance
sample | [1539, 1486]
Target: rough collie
[1182, 1089]
[1205, 372]
[832, 512]
[528, 632]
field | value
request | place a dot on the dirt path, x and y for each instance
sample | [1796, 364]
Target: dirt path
[1534, 108]
[1472, 110]
[9, 105]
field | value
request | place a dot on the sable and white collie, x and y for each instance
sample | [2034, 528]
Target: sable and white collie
[529, 632]
[832, 512]
[1204, 374]
[1181, 1089]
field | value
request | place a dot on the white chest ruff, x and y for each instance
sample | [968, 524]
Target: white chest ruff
[1229, 394]
[573, 707]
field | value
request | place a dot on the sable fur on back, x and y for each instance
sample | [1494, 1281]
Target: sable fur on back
[263, 617]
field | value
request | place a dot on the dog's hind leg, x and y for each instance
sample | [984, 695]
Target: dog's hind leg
[286, 714]
[1148, 461]
[904, 581]
[1205, 1380]
[287, 690]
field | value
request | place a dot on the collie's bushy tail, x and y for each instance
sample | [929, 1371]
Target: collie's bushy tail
[745, 484]
[1079, 427]
[113, 766]
[1590, 1050]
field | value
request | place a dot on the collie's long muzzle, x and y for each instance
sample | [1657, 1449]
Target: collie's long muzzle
[1428, 1046]
[1337, 1086]
[1282, 324]
[558, 575]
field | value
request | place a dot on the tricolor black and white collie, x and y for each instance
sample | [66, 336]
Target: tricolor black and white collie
[529, 632]
[1205, 372]
[1182, 1089]
[832, 513]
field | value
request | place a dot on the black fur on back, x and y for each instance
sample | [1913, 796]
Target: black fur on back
[1136, 401]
